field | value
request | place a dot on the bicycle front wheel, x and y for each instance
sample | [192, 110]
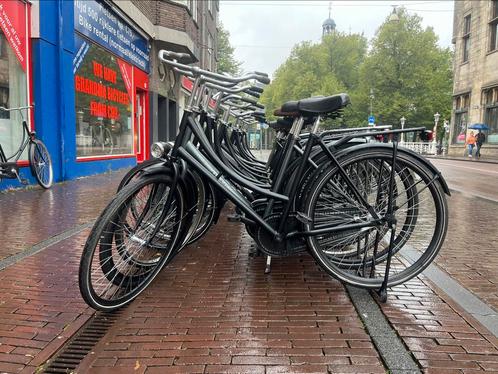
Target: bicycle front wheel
[358, 256]
[41, 163]
[130, 242]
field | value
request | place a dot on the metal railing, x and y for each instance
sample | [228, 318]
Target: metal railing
[423, 148]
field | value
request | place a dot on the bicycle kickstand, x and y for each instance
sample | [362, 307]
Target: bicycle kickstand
[21, 180]
[382, 292]
[268, 265]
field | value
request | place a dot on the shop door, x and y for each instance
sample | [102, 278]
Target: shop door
[141, 125]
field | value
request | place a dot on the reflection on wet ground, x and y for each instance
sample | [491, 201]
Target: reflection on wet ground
[31, 216]
[469, 253]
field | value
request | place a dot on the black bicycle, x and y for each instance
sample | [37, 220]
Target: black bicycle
[372, 215]
[39, 159]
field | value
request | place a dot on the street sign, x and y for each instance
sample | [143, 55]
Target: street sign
[371, 120]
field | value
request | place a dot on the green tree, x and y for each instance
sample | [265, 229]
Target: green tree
[226, 60]
[409, 73]
[318, 69]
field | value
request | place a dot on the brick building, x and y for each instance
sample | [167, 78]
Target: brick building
[187, 26]
[475, 91]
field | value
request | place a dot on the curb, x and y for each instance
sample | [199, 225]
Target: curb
[485, 161]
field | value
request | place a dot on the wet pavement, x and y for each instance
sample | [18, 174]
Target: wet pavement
[469, 254]
[213, 310]
[32, 215]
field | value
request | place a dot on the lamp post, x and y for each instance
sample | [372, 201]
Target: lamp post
[436, 120]
[372, 97]
[402, 120]
[446, 125]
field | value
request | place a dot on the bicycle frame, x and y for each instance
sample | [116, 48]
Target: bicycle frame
[26, 140]
[220, 175]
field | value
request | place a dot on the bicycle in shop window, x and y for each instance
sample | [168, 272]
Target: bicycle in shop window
[101, 137]
[39, 159]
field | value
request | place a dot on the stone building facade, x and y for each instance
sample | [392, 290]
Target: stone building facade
[187, 26]
[475, 90]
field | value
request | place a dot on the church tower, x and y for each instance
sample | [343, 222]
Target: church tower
[328, 25]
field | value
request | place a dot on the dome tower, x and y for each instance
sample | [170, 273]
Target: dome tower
[328, 25]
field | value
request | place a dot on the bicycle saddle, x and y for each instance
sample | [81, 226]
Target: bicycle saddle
[317, 105]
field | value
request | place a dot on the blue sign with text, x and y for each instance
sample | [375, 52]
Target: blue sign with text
[102, 25]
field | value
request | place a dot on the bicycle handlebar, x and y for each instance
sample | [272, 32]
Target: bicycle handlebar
[19, 108]
[196, 71]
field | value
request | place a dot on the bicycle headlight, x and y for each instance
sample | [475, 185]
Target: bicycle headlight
[158, 150]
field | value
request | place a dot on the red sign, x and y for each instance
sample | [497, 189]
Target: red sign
[126, 72]
[188, 84]
[13, 22]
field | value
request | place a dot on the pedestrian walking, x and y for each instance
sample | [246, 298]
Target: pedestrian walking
[470, 142]
[480, 139]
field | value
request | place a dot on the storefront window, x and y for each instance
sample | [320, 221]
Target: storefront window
[13, 93]
[103, 88]
[462, 103]
[491, 114]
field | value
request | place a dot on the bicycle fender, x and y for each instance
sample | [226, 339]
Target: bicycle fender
[407, 151]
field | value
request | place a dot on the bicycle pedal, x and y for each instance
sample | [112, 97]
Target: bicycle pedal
[303, 218]
[234, 217]
[23, 181]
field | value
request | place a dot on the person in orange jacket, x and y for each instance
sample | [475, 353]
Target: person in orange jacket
[470, 142]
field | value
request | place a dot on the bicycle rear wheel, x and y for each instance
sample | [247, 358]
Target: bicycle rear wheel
[122, 255]
[357, 256]
[40, 163]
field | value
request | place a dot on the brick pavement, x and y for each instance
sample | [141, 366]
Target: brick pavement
[214, 311]
[32, 215]
[40, 305]
[440, 336]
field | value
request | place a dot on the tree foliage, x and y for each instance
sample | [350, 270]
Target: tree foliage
[410, 75]
[226, 60]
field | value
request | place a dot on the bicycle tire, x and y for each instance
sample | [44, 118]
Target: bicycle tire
[40, 163]
[405, 267]
[136, 171]
[102, 265]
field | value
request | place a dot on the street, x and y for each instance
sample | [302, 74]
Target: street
[470, 177]
[213, 309]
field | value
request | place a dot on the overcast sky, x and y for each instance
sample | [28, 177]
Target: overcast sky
[264, 31]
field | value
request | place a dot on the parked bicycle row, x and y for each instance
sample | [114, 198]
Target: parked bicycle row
[372, 215]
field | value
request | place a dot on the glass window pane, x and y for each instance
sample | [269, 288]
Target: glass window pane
[491, 119]
[466, 47]
[103, 105]
[13, 93]
[493, 37]
[466, 28]
[460, 128]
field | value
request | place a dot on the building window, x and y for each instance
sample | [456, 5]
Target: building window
[193, 8]
[13, 94]
[491, 113]
[103, 87]
[466, 38]
[210, 52]
[493, 26]
[462, 104]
